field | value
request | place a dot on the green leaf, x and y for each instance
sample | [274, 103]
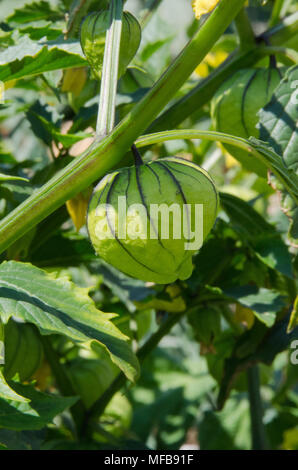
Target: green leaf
[274, 253]
[34, 11]
[261, 236]
[73, 250]
[48, 31]
[22, 440]
[38, 116]
[57, 306]
[263, 302]
[34, 58]
[294, 316]
[244, 218]
[232, 427]
[127, 289]
[275, 342]
[37, 411]
[278, 120]
[7, 393]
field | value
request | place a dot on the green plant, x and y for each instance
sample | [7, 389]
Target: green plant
[229, 320]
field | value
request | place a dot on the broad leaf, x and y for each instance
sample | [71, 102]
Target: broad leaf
[57, 306]
[47, 131]
[263, 302]
[35, 11]
[128, 290]
[7, 393]
[37, 411]
[73, 250]
[33, 58]
[276, 164]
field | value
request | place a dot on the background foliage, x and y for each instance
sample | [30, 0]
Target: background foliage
[210, 348]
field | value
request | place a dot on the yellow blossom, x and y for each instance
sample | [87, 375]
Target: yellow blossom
[201, 7]
[213, 60]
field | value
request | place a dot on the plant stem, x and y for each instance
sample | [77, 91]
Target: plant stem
[204, 91]
[63, 382]
[290, 55]
[272, 161]
[245, 31]
[258, 433]
[149, 12]
[137, 156]
[276, 12]
[102, 156]
[99, 406]
[109, 80]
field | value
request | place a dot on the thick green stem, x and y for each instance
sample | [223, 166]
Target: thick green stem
[102, 156]
[109, 80]
[245, 32]
[259, 440]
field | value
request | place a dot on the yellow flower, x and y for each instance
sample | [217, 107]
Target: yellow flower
[77, 207]
[213, 60]
[201, 7]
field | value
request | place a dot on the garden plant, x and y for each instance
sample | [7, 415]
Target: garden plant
[169, 321]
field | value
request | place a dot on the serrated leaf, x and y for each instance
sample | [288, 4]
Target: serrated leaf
[33, 58]
[277, 165]
[37, 411]
[57, 306]
[48, 31]
[278, 120]
[34, 11]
